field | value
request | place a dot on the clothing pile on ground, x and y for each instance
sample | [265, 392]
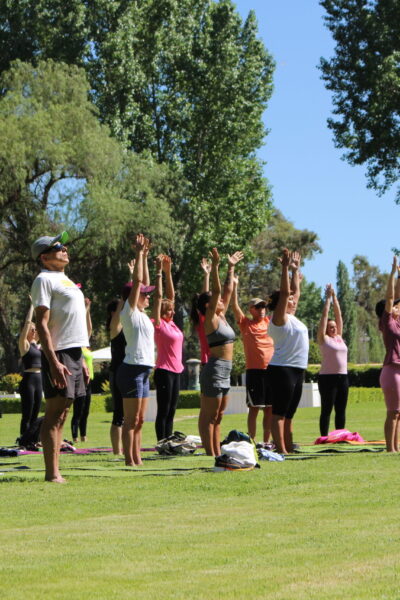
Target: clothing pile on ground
[238, 453]
[178, 444]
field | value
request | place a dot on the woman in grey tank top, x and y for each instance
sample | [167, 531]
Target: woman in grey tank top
[215, 376]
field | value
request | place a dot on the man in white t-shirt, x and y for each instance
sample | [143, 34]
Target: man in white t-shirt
[61, 322]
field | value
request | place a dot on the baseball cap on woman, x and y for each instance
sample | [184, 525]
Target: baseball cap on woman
[43, 243]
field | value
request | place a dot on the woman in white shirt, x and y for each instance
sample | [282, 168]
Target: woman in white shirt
[290, 358]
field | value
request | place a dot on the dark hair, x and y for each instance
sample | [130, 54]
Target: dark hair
[111, 307]
[199, 302]
[273, 300]
[380, 307]
[126, 290]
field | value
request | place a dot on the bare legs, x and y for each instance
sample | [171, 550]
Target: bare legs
[392, 426]
[252, 422]
[116, 439]
[282, 434]
[51, 435]
[134, 412]
[210, 417]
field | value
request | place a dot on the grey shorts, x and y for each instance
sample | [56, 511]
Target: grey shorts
[215, 377]
[72, 359]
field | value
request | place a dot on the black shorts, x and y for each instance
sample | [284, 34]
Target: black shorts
[287, 386]
[258, 390]
[72, 359]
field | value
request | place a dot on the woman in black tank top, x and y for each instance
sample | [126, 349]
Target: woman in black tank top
[30, 388]
[215, 376]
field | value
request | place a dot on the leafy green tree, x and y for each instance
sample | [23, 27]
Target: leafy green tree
[185, 80]
[347, 303]
[60, 169]
[364, 78]
[310, 306]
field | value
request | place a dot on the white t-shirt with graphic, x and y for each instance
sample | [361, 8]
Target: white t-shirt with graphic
[67, 323]
[139, 335]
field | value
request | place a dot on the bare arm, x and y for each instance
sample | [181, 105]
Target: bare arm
[145, 256]
[58, 371]
[131, 266]
[169, 284]
[115, 323]
[295, 261]
[237, 311]
[390, 287]
[397, 287]
[88, 317]
[228, 285]
[211, 320]
[325, 313]
[338, 313]
[279, 316]
[158, 291]
[206, 267]
[23, 344]
[137, 272]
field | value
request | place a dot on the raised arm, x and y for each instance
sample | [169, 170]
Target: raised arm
[206, 268]
[237, 311]
[158, 292]
[211, 319]
[23, 344]
[338, 313]
[145, 258]
[279, 316]
[397, 286]
[295, 260]
[137, 272]
[228, 285]
[325, 314]
[390, 287]
[169, 284]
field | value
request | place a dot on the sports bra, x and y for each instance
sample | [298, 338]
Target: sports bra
[224, 334]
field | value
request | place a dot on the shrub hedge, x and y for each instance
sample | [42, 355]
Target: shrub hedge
[366, 376]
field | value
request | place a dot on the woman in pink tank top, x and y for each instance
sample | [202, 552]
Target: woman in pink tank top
[388, 311]
[333, 383]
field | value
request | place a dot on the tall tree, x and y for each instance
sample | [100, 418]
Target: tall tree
[187, 81]
[364, 76]
[347, 303]
[60, 169]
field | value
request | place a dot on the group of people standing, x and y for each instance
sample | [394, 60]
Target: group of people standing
[276, 351]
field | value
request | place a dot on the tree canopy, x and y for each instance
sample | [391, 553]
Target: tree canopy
[364, 76]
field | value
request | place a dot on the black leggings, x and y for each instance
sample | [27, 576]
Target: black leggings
[167, 387]
[334, 390]
[286, 385]
[118, 408]
[81, 413]
[30, 390]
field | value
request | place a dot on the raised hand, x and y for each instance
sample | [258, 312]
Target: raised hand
[131, 266]
[233, 259]
[295, 259]
[166, 263]
[159, 262]
[394, 265]
[235, 280]
[215, 258]
[205, 265]
[140, 242]
[329, 290]
[285, 258]
[147, 246]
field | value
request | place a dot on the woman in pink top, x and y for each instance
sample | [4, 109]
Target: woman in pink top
[169, 341]
[333, 382]
[388, 311]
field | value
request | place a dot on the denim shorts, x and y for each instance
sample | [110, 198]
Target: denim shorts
[215, 377]
[133, 380]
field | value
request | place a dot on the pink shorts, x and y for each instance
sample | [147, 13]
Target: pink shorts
[390, 384]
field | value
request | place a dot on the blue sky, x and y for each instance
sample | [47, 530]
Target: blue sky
[311, 184]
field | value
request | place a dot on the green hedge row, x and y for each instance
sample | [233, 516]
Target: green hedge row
[365, 376]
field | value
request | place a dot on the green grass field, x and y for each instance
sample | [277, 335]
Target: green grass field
[302, 529]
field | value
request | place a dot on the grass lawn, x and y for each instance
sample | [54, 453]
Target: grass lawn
[302, 529]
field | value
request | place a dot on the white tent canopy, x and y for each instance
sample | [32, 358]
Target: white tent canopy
[102, 355]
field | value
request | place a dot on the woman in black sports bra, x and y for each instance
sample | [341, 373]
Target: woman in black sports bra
[215, 376]
[30, 388]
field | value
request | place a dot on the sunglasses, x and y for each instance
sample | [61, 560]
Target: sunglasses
[56, 248]
[258, 306]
